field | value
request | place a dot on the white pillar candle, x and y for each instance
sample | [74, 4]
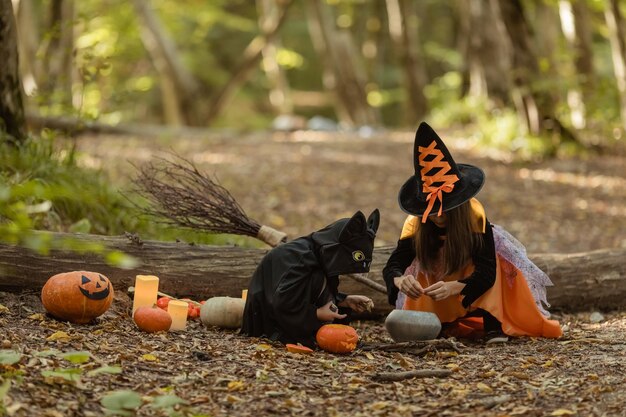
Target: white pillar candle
[146, 289]
[244, 294]
[178, 311]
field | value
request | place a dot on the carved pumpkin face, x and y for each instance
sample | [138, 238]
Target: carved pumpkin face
[95, 289]
[337, 338]
[77, 296]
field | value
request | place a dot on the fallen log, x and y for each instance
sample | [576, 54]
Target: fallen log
[583, 281]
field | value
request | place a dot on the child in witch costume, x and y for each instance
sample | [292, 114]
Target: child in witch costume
[450, 260]
[294, 290]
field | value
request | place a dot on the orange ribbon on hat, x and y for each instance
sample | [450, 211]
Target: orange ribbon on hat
[435, 193]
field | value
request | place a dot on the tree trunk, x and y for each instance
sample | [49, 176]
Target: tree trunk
[58, 53]
[617, 36]
[404, 33]
[11, 106]
[178, 86]
[575, 27]
[348, 80]
[251, 57]
[31, 69]
[280, 96]
[329, 79]
[582, 281]
[485, 52]
[535, 104]
[583, 44]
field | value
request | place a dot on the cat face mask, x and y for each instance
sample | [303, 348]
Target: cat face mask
[346, 246]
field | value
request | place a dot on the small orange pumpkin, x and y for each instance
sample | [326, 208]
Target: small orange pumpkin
[152, 319]
[298, 348]
[77, 296]
[337, 338]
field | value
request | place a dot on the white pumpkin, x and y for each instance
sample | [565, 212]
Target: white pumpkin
[226, 312]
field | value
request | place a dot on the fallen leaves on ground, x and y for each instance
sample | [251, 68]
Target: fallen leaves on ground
[111, 366]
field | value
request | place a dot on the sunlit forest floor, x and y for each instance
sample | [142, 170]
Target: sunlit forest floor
[298, 183]
[218, 373]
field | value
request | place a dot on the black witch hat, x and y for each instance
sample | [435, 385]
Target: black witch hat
[439, 184]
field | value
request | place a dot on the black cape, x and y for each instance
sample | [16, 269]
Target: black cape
[297, 277]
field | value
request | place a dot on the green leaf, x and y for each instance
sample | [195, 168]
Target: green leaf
[4, 390]
[105, 370]
[122, 400]
[49, 352]
[81, 226]
[167, 401]
[70, 374]
[9, 357]
[76, 357]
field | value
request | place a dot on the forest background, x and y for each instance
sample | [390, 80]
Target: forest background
[528, 78]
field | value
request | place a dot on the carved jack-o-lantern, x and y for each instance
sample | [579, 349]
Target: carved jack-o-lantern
[337, 338]
[77, 296]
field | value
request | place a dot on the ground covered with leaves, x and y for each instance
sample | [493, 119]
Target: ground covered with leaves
[110, 367]
[301, 181]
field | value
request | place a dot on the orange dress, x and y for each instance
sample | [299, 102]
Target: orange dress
[509, 299]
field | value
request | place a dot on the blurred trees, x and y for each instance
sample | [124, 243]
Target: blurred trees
[11, 108]
[560, 65]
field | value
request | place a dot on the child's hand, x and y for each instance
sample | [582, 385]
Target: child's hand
[409, 285]
[358, 303]
[441, 290]
[328, 312]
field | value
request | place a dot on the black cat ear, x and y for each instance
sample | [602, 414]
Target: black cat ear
[373, 221]
[355, 226]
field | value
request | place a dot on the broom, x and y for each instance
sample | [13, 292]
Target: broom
[181, 195]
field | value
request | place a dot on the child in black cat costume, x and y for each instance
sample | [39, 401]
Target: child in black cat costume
[294, 290]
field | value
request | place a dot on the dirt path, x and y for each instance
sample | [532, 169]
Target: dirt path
[302, 181]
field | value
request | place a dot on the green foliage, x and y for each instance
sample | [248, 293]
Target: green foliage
[116, 80]
[4, 390]
[77, 357]
[43, 187]
[495, 128]
[122, 402]
[71, 375]
[9, 357]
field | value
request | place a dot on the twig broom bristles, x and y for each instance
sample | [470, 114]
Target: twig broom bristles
[183, 196]
[179, 193]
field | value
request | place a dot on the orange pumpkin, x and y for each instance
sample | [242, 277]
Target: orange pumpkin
[337, 338]
[152, 319]
[77, 296]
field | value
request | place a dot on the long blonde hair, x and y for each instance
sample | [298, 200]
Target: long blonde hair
[460, 243]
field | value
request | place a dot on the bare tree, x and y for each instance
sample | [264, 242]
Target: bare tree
[485, 49]
[58, 52]
[251, 57]
[28, 37]
[178, 86]
[280, 97]
[11, 106]
[343, 75]
[404, 34]
[534, 104]
[617, 36]
[576, 28]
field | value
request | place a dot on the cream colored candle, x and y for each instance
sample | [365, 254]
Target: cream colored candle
[244, 294]
[146, 288]
[178, 311]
